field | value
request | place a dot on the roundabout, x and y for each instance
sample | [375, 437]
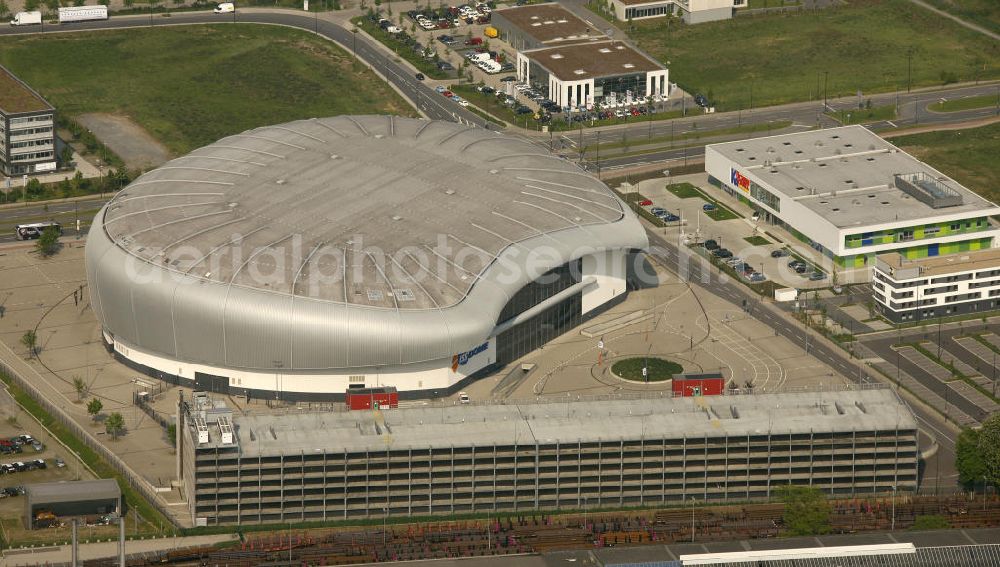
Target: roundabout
[658, 369]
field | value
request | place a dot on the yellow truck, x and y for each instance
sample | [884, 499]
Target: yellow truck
[491, 31]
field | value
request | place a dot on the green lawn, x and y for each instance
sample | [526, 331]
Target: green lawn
[757, 240]
[657, 369]
[864, 115]
[966, 103]
[861, 45]
[189, 86]
[721, 213]
[984, 13]
[969, 156]
[684, 190]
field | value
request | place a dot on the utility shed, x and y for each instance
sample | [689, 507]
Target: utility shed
[78, 498]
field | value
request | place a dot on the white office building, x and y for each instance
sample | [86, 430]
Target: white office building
[912, 290]
[691, 11]
[851, 195]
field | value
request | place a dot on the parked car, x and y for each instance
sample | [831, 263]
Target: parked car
[463, 398]
[700, 100]
[474, 41]
[722, 253]
[420, 76]
[817, 276]
[59, 462]
[711, 245]
[645, 203]
[708, 207]
[779, 253]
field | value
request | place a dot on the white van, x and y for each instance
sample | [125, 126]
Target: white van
[225, 8]
[26, 19]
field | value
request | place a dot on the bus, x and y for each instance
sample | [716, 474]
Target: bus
[34, 230]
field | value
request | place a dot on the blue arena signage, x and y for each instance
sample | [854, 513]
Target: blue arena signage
[462, 359]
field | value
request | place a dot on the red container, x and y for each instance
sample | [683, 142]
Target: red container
[368, 398]
[708, 384]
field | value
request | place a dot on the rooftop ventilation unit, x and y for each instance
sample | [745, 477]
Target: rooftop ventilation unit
[202, 429]
[226, 428]
[934, 193]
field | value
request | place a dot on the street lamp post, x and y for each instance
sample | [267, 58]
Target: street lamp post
[692, 518]
[892, 526]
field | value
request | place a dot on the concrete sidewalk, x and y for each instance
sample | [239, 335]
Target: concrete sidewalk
[63, 553]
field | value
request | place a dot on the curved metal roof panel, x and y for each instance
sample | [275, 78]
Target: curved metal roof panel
[398, 240]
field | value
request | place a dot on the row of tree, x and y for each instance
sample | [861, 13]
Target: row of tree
[977, 455]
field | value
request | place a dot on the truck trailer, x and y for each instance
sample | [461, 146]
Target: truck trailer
[26, 19]
[82, 13]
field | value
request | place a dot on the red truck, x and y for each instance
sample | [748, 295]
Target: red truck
[474, 41]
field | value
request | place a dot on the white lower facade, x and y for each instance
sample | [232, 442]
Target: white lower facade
[603, 276]
[909, 294]
[692, 11]
[585, 93]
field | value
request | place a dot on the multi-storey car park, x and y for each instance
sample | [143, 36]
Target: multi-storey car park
[27, 128]
[913, 290]
[852, 195]
[301, 466]
[299, 260]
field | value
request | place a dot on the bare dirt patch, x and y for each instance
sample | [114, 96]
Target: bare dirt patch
[127, 139]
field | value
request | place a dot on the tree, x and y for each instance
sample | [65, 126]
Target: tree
[989, 448]
[968, 460]
[94, 407]
[807, 512]
[66, 156]
[4, 10]
[48, 243]
[114, 425]
[30, 341]
[80, 387]
[172, 434]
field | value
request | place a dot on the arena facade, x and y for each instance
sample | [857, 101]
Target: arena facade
[298, 260]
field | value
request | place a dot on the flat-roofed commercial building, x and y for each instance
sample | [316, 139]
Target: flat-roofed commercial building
[300, 466]
[585, 73]
[542, 25]
[27, 128]
[691, 11]
[911, 290]
[576, 64]
[851, 195]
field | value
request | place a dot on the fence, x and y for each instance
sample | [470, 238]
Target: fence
[136, 482]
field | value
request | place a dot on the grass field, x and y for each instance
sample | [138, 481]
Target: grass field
[864, 115]
[969, 156]
[657, 369]
[721, 213]
[684, 190]
[189, 86]
[757, 240]
[966, 103]
[981, 12]
[788, 57]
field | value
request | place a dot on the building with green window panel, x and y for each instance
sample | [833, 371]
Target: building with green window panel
[851, 195]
